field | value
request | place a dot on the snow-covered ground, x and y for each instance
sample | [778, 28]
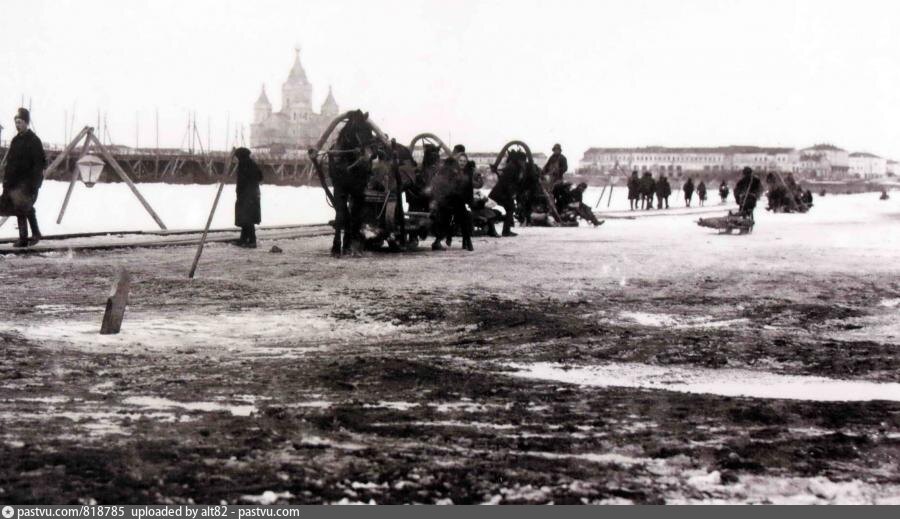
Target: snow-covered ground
[688, 366]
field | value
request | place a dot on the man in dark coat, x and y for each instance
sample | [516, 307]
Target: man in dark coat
[451, 190]
[746, 192]
[25, 163]
[701, 192]
[723, 191]
[634, 190]
[247, 207]
[663, 191]
[648, 190]
[556, 165]
[688, 189]
[504, 192]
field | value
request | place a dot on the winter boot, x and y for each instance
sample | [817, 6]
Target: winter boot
[35, 231]
[23, 233]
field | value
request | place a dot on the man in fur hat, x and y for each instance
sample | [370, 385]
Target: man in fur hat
[25, 163]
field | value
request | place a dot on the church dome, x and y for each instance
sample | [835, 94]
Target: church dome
[330, 106]
[297, 74]
[263, 100]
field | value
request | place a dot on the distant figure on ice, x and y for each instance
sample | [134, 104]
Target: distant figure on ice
[747, 192]
[247, 207]
[648, 190]
[701, 193]
[634, 190]
[688, 189]
[663, 191]
[884, 195]
[556, 165]
[25, 162]
[723, 191]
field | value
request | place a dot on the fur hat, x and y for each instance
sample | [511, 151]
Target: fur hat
[24, 114]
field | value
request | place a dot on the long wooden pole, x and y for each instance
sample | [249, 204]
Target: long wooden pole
[602, 191]
[124, 176]
[209, 220]
[72, 182]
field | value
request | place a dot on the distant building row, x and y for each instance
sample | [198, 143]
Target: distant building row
[823, 161]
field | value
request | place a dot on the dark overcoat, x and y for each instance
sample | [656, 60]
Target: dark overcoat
[247, 207]
[24, 174]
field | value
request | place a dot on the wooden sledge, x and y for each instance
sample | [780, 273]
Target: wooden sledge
[727, 224]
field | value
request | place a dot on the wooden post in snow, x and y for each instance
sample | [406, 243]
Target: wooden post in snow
[209, 220]
[115, 305]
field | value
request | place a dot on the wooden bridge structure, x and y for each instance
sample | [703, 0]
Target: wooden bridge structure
[184, 166]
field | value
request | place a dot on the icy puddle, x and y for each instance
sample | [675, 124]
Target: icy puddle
[150, 402]
[671, 321]
[244, 331]
[722, 382]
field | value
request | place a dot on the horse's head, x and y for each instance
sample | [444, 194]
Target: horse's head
[357, 132]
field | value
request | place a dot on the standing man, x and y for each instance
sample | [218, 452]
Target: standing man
[663, 191]
[746, 192]
[723, 191]
[634, 190]
[648, 189]
[701, 192]
[24, 175]
[688, 189]
[556, 165]
[247, 206]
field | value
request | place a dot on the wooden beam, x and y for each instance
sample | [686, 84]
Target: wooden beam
[118, 169]
[209, 220]
[74, 180]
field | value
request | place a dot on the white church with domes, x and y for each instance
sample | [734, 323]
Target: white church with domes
[296, 125]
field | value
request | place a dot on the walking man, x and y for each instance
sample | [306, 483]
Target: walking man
[24, 175]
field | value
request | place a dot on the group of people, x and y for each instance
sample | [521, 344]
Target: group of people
[785, 195]
[642, 190]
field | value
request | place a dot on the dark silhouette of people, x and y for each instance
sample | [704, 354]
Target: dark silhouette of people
[634, 190]
[24, 175]
[723, 191]
[556, 165]
[688, 189]
[663, 191]
[648, 190]
[747, 192]
[701, 193]
[247, 207]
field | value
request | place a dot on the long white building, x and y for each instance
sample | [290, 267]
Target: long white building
[678, 161]
[822, 161]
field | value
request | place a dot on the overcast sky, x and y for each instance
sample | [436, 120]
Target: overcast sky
[584, 73]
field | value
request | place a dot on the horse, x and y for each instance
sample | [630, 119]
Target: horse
[350, 168]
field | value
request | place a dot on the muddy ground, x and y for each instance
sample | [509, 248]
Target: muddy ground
[387, 379]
